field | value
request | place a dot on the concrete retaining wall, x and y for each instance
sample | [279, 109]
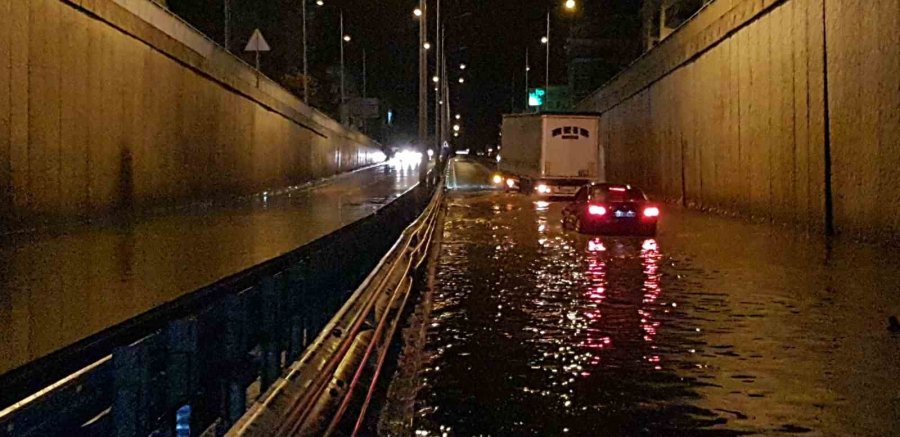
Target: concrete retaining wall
[739, 110]
[116, 104]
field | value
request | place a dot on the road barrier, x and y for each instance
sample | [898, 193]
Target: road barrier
[340, 372]
[194, 366]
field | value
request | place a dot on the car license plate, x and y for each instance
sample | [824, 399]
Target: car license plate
[625, 214]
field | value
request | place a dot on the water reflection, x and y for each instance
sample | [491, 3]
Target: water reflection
[63, 285]
[716, 331]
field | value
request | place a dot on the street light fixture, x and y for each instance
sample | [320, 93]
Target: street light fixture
[458, 116]
[462, 80]
[456, 128]
[544, 40]
[417, 12]
[347, 38]
[462, 66]
[427, 46]
[435, 79]
[570, 5]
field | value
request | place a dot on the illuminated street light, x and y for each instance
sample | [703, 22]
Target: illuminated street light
[458, 116]
[462, 80]
[435, 79]
[347, 38]
[462, 66]
[570, 4]
[417, 12]
[544, 40]
[320, 3]
[456, 128]
[427, 46]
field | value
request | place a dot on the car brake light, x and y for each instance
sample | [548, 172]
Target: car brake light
[651, 212]
[596, 210]
[618, 189]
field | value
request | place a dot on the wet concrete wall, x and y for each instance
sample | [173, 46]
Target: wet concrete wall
[744, 108]
[108, 105]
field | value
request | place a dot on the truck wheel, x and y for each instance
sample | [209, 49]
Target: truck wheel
[526, 186]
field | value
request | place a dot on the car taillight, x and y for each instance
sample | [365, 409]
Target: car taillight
[596, 210]
[651, 212]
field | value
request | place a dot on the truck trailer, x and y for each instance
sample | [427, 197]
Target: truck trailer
[549, 154]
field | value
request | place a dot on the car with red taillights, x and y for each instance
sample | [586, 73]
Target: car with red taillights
[611, 209]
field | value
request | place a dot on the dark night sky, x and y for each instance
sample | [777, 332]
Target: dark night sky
[491, 39]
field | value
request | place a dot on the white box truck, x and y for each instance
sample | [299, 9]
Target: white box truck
[551, 155]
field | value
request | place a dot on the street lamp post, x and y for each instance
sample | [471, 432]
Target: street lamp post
[227, 25]
[305, 59]
[527, 83]
[547, 77]
[343, 39]
[423, 84]
[570, 5]
[438, 63]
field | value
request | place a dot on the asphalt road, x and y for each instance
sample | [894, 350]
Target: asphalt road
[716, 327]
[65, 285]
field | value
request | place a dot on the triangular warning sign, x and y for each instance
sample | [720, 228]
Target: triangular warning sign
[257, 43]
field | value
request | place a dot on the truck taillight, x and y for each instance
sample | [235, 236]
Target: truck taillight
[596, 210]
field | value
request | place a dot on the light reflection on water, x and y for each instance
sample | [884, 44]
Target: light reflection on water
[538, 331]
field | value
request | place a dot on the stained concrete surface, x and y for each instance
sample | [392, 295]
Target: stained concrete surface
[716, 327]
[103, 110]
[738, 111]
[64, 285]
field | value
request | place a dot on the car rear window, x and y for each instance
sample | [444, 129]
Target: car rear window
[617, 194]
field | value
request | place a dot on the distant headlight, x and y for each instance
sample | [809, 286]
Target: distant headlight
[497, 179]
[510, 183]
[543, 189]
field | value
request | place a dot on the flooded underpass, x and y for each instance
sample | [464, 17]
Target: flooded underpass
[715, 327]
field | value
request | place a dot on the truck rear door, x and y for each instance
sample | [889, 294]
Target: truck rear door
[570, 145]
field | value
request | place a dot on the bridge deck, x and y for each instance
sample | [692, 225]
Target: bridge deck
[62, 287]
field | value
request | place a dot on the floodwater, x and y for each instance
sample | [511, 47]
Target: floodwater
[59, 287]
[716, 327]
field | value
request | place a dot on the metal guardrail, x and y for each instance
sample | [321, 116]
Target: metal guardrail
[340, 372]
[195, 365]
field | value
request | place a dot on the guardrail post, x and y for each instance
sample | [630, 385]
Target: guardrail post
[131, 380]
[294, 290]
[181, 366]
[237, 373]
[271, 360]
